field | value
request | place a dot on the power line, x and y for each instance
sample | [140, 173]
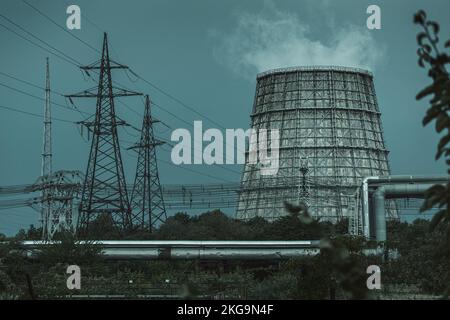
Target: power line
[33, 114]
[36, 97]
[29, 83]
[169, 95]
[174, 98]
[64, 120]
[38, 45]
[185, 168]
[133, 72]
[37, 38]
[42, 88]
[85, 17]
[59, 26]
[159, 89]
[221, 166]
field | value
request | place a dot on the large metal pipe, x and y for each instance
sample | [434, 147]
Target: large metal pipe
[404, 186]
[365, 206]
[196, 250]
[380, 215]
[199, 250]
[401, 190]
[408, 179]
[396, 191]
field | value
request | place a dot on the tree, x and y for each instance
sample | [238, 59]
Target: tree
[430, 56]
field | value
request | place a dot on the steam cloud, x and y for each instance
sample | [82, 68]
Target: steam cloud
[260, 42]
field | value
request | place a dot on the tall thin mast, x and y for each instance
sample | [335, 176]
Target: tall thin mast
[46, 169]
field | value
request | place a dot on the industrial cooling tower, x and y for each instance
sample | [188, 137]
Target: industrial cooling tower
[330, 139]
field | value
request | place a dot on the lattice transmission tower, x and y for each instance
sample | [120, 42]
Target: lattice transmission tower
[104, 189]
[147, 199]
[304, 183]
[61, 188]
[46, 169]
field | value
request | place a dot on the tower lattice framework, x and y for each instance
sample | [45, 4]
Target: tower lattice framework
[147, 201]
[104, 189]
[46, 170]
[331, 137]
[62, 188]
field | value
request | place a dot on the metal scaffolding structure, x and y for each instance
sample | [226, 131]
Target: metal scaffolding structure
[328, 115]
[62, 189]
[195, 196]
[46, 170]
[147, 201]
[104, 190]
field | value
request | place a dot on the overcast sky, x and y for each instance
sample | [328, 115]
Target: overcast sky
[205, 53]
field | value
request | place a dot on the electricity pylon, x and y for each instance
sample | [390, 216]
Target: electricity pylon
[104, 189]
[146, 199]
[46, 170]
[62, 188]
[303, 185]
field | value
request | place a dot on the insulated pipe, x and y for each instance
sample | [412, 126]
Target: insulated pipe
[380, 215]
[409, 190]
[410, 179]
[405, 180]
[199, 250]
[396, 191]
[195, 250]
[365, 205]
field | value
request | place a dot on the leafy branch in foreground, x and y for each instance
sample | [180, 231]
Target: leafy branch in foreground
[341, 257]
[435, 60]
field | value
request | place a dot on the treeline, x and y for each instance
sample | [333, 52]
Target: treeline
[422, 265]
[213, 225]
[424, 256]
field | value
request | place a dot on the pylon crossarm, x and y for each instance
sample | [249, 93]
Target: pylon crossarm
[98, 65]
[92, 93]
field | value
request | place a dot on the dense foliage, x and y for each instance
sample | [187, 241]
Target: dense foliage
[436, 60]
[339, 271]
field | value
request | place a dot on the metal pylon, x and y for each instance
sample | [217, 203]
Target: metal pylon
[46, 170]
[304, 185]
[104, 189]
[62, 188]
[147, 202]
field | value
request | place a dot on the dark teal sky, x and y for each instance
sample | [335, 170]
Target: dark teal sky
[191, 49]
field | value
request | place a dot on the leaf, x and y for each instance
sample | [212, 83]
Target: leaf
[435, 40]
[420, 17]
[420, 37]
[432, 113]
[441, 121]
[437, 218]
[434, 25]
[421, 63]
[433, 196]
[442, 143]
[437, 188]
[427, 48]
[425, 92]
[441, 152]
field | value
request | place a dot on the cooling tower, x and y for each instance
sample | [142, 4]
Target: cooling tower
[330, 138]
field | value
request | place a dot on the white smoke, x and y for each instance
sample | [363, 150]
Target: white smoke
[280, 39]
